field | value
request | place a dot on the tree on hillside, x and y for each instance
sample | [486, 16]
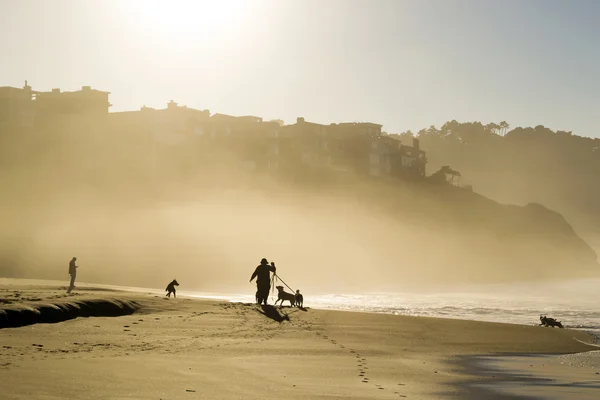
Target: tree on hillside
[521, 165]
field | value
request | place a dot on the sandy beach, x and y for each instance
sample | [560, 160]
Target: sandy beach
[196, 349]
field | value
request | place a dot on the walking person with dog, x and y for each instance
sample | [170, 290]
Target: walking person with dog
[73, 273]
[262, 273]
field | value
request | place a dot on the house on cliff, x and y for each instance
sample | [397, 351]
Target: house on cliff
[86, 102]
[357, 147]
[409, 161]
[25, 107]
[305, 144]
[172, 125]
[248, 138]
[16, 106]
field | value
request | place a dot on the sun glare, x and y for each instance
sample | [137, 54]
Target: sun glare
[188, 17]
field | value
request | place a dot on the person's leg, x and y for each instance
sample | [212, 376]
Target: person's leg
[266, 289]
[261, 294]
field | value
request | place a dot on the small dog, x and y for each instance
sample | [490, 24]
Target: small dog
[550, 322]
[299, 299]
[171, 288]
[283, 296]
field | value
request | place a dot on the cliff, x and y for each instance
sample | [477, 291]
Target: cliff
[433, 233]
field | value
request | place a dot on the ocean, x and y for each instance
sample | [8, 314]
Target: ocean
[575, 303]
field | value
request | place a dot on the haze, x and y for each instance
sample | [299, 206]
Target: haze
[138, 213]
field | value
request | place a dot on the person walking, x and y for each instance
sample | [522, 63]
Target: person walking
[73, 273]
[263, 281]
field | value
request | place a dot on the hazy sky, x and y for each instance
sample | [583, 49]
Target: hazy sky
[404, 64]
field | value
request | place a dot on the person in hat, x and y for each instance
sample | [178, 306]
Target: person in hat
[263, 281]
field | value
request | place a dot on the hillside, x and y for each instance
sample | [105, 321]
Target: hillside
[523, 165]
[141, 216]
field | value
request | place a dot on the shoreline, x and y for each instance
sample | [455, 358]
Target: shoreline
[223, 350]
[359, 302]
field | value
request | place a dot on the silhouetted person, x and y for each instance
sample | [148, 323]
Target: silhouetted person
[171, 288]
[73, 273]
[263, 281]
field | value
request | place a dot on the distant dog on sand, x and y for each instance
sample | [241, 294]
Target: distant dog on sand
[549, 322]
[282, 296]
[299, 299]
[171, 288]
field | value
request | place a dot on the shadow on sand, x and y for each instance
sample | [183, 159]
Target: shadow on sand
[278, 313]
[273, 313]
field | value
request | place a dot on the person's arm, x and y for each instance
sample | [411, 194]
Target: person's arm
[254, 274]
[273, 269]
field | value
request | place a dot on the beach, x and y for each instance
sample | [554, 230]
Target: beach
[163, 348]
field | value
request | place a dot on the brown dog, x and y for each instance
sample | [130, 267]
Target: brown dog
[282, 296]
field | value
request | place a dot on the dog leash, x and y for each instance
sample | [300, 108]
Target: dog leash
[282, 281]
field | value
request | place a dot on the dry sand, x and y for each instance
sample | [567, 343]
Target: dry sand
[195, 349]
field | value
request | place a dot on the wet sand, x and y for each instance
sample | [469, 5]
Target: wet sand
[197, 349]
[571, 376]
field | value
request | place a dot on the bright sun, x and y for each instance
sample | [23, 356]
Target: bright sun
[184, 17]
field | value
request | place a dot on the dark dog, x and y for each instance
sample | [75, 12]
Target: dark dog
[549, 322]
[299, 299]
[283, 296]
[171, 288]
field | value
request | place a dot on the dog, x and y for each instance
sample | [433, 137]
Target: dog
[171, 288]
[299, 299]
[550, 322]
[282, 296]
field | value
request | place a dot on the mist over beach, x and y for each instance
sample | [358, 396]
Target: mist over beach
[300, 199]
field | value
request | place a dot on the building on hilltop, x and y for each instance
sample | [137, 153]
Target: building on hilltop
[26, 107]
[254, 141]
[86, 102]
[171, 125]
[409, 161]
[358, 147]
[306, 144]
[16, 106]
